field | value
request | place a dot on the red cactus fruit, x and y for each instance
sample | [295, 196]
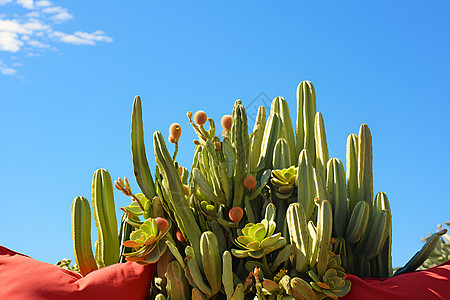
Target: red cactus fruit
[200, 117]
[235, 214]
[174, 131]
[180, 236]
[250, 182]
[162, 224]
[226, 122]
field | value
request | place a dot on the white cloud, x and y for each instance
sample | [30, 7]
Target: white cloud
[43, 3]
[32, 32]
[9, 41]
[58, 14]
[26, 3]
[5, 70]
[82, 38]
[37, 44]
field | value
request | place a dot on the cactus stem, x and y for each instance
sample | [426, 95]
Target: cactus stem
[176, 151]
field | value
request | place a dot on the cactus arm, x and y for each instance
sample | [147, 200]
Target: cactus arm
[105, 217]
[352, 169]
[299, 235]
[365, 176]
[271, 134]
[280, 106]
[227, 274]
[306, 111]
[306, 185]
[324, 230]
[240, 139]
[81, 235]
[418, 259]
[140, 164]
[212, 260]
[358, 222]
[257, 137]
[281, 155]
[337, 195]
[321, 145]
[378, 235]
[176, 194]
[177, 284]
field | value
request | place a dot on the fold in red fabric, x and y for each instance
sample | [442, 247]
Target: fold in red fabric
[22, 277]
[428, 284]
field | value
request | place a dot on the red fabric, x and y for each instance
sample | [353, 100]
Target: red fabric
[22, 277]
[428, 284]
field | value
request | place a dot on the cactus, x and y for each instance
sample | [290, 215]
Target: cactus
[105, 218]
[264, 213]
[81, 235]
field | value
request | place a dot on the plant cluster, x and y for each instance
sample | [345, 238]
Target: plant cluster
[265, 214]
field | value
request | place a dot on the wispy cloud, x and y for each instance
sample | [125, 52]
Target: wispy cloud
[33, 32]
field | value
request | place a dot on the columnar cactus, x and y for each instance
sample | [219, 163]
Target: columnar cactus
[266, 213]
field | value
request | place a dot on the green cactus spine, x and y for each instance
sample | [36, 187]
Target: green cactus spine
[306, 111]
[352, 169]
[299, 235]
[177, 284]
[271, 134]
[212, 260]
[105, 218]
[140, 164]
[365, 176]
[321, 146]
[176, 193]
[280, 106]
[306, 185]
[257, 137]
[81, 235]
[281, 155]
[337, 195]
[240, 140]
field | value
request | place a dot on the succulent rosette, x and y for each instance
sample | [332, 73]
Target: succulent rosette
[146, 241]
[332, 283]
[284, 181]
[256, 240]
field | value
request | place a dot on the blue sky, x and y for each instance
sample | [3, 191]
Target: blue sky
[69, 71]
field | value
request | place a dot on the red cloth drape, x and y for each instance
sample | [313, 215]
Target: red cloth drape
[22, 277]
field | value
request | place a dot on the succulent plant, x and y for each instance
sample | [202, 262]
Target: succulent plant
[333, 283]
[257, 214]
[284, 182]
[146, 241]
[257, 240]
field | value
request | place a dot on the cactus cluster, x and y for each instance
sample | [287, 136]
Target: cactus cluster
[265, 214]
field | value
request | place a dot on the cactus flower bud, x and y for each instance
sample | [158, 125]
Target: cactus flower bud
[174, 131]
[235, 214]
[180, 236]
[250, 182]
[226, 122]
[200, 117]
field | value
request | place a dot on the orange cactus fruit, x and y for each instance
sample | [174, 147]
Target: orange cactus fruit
[186, 190]
[162, 224]
[235, 214]
[250, 182]
[180, 236]
[200, 117]
[174, 131]
[226, 122]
